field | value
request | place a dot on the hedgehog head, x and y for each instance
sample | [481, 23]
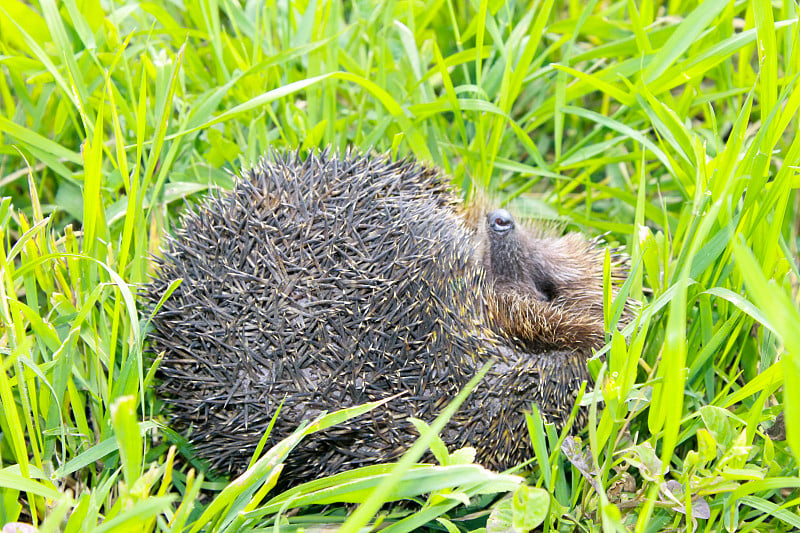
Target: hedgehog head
[544, 301]
[544, 292]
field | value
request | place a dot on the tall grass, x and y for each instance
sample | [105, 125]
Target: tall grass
[669, 126]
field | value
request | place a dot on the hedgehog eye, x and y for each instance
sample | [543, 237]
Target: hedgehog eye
[549, 290]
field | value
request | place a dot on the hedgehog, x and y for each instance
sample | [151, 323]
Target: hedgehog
[327, 282]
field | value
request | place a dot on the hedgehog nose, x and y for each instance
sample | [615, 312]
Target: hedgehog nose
[500, 221]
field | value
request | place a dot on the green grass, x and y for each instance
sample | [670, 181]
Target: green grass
[669, 126]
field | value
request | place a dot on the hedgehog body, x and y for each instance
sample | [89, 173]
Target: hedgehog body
[328, 282]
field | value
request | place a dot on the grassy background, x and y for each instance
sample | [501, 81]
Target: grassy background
[671, 126]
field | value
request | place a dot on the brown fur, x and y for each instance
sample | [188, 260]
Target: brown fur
[544, 291]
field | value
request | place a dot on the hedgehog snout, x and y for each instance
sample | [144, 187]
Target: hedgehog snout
[500, 221]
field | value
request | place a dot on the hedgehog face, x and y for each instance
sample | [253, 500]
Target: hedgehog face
[544, 293]
[514, 261]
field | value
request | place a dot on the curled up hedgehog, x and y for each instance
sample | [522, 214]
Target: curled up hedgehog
[332, 281]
